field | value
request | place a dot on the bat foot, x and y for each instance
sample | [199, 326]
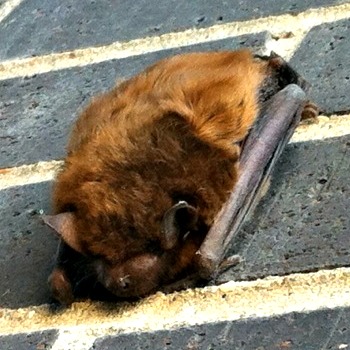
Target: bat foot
[61, 288]
[310, 113]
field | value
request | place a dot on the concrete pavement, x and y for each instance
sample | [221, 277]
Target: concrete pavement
[57, 54]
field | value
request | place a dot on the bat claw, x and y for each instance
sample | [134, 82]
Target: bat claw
[310, 112]
[229, 262]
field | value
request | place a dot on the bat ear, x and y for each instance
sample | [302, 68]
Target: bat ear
[64, 226]
[176, 222]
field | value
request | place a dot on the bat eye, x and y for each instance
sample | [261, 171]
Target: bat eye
[132, 232]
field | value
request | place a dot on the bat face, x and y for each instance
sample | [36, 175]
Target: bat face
[135, 277]
[149, 166]
[129, 272]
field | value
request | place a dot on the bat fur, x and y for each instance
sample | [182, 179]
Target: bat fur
[149, 166]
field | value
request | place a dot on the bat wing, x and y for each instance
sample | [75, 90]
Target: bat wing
[261, 149]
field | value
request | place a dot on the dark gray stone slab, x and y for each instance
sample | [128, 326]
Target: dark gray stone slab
[38, 27]
[325, 329]
[303, 224]
[36, 113]
[33, 341]
[27, 247]
[322, 59]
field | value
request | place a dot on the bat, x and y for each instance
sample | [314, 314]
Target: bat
[162, 170]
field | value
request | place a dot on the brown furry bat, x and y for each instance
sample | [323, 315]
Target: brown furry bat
[149, 166]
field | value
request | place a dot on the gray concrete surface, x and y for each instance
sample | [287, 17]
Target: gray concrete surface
[327, 329]
[27, 246]
[34, 341]
[39, 111]
[322, 59]
[70, 25]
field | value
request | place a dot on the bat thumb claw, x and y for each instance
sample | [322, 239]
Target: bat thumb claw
[229, 262]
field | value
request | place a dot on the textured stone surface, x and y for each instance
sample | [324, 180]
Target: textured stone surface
[322, 59]
[27, 247]
[303, 223]
[74, 24]
[36, 113]
[33, 341]
[326, 329]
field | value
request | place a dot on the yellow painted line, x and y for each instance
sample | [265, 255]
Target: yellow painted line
[299, 24]
[233, 301]
[29, 174]
[323, 128]
[7, 7]
[68, 339]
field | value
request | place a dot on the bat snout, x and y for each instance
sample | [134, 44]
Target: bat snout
[136, 277]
